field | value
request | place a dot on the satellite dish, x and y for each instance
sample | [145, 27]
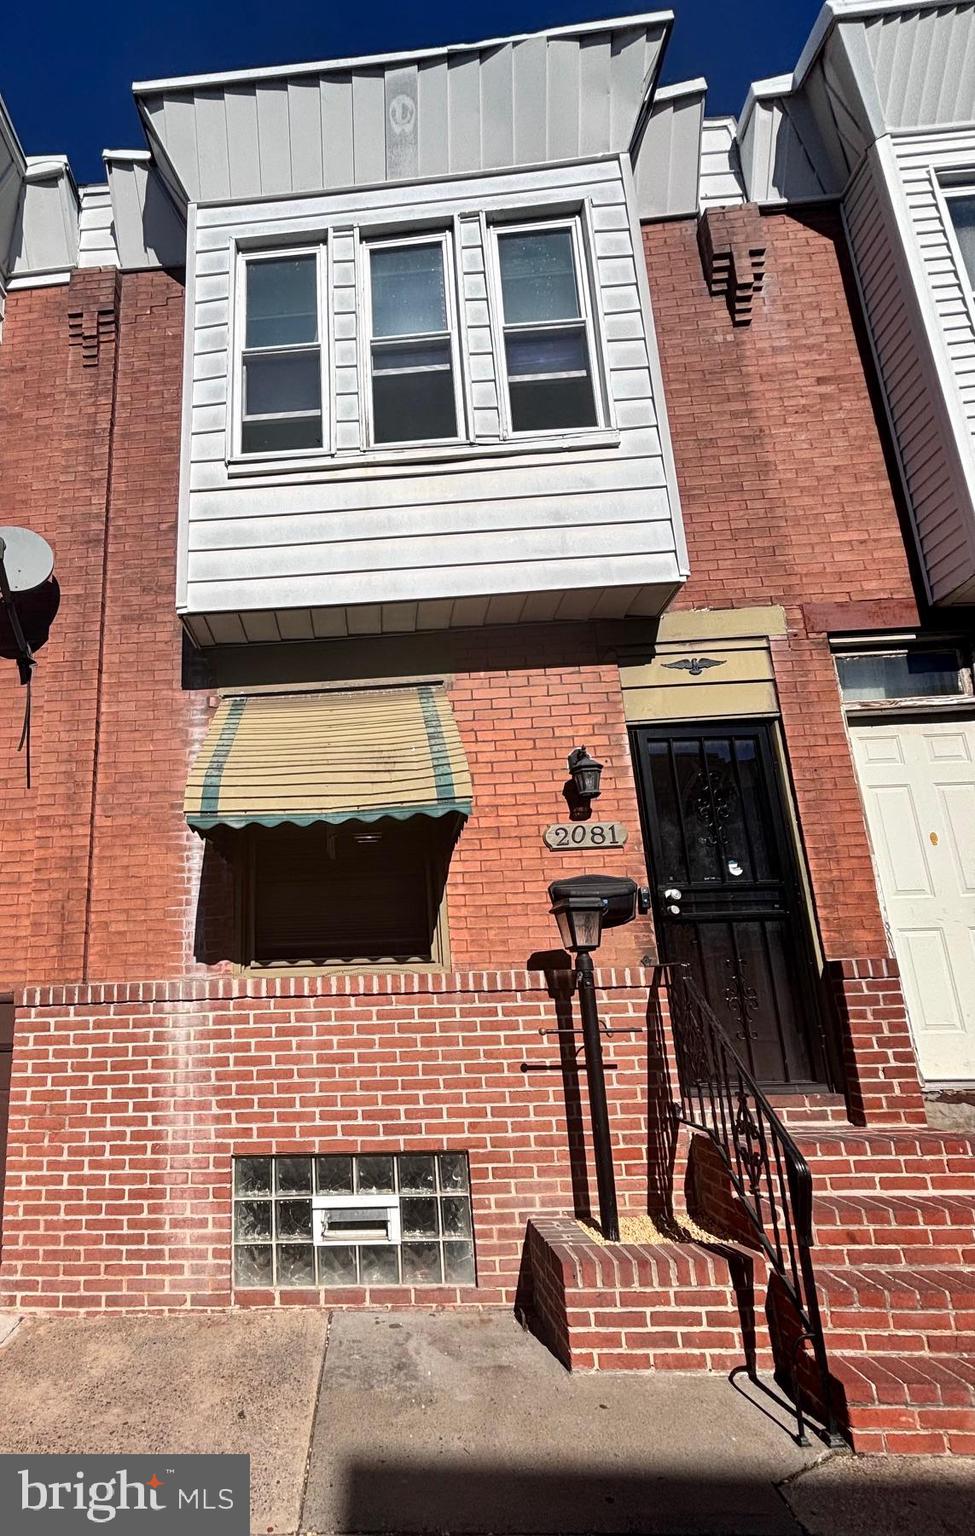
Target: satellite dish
[28, 559]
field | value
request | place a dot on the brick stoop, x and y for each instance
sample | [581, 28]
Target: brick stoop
[895, 1264]
[852, 1161]
[638, 1307]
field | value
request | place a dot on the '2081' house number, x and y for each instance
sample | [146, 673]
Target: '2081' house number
[585, 834]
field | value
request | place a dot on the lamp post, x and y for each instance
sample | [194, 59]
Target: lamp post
[582, 906]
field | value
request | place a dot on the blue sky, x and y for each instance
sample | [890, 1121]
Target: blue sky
[65, 72]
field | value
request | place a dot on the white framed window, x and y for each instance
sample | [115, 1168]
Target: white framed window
[961, 208]
[281, 364]
[413, 362]
[916, 674]
[542, 287]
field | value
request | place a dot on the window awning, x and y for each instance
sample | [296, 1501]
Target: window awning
[330, 756]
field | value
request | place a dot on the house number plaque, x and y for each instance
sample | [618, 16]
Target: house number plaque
[585, 834]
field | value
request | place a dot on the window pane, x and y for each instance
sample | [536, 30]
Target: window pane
[413, 407]
[538, 278]
[333, 1175]
[916, 674]
[252, 1221]
[324, 897]
[453, 1170]
[458, 1263]
[410, 355]
[336, 1266]
[408, 295]
[293, 1175]
[294, 1219]
[456, 1216]
[416, 1172]
[254, 1266]
[421, 1263]
[296, 1266]
[533, 352]
[379, 1266]
[266, 436]
[282, 302]
[550, 403]
[252, 1175]
[963, 216]
[375, 1174]
[419, 1217]
[280, 384]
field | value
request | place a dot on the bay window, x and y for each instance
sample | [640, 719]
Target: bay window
[412, 339]
[547, 334]
[371, 339]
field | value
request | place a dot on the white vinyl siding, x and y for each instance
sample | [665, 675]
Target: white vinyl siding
[484, 530]
[921, 319]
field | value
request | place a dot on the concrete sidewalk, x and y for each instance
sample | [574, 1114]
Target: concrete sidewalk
[445, 1422]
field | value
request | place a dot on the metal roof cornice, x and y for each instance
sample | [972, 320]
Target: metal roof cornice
[381, 60]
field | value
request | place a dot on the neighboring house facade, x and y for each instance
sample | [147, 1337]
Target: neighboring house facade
[522, 408]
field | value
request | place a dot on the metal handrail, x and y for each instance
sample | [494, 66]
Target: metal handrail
[720, 1097]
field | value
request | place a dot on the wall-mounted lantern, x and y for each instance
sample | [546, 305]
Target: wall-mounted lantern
[586, 773]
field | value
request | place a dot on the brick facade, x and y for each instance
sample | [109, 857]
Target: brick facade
[143, 1064]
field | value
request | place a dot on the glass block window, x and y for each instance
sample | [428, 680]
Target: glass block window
[370, 1219]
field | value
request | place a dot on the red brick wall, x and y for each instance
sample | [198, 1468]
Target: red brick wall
[785, 489]
[787, 499]
[128, 1103]
[56, 416]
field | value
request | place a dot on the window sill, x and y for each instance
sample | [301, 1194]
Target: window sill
[377, 458]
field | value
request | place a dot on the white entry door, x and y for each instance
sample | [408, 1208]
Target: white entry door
[918, 783]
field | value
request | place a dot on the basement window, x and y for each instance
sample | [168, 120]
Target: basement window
[363, 1219]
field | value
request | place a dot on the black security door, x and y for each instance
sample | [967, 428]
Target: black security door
[726, 889]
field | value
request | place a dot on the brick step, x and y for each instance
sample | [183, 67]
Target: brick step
[908, 1404]
[898, 1310]
[894, 1230]
[890, 1162]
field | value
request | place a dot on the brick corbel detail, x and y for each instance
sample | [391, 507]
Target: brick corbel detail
[733, 245]
[88, 328]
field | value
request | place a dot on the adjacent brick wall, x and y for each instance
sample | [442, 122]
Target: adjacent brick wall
[788, 498]
[55, 443]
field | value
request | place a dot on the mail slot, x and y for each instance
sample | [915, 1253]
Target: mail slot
[356, 1219]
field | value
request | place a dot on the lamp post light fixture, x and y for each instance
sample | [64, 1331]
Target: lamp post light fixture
[586, 773]
[582, 906]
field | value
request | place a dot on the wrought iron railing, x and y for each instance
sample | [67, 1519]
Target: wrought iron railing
[769, 1173]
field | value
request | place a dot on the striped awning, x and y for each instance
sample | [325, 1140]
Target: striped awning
[330, 756]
